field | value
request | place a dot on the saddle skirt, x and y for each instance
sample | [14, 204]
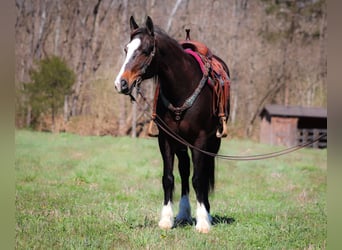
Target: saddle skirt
[197, 47]
[218, 78]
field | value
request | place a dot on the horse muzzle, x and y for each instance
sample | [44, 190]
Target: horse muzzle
[125, 88]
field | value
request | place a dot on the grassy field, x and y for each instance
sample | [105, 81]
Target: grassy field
[76, 192]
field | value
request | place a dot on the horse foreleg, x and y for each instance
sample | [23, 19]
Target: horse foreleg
[184, 214]
[166, 220]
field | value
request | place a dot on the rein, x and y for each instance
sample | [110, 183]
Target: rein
[163, 126]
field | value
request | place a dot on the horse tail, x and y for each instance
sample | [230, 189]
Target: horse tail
[214, 146]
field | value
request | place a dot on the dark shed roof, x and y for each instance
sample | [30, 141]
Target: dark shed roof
[293, 111]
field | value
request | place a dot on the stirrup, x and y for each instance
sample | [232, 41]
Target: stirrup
[224, 132]
[152, 129]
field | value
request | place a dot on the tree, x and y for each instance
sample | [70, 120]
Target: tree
[51, 82]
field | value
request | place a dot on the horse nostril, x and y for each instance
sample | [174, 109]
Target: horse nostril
[124, 84]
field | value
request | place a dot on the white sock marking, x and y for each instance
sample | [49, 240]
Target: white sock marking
[166, 220]
[203, 219]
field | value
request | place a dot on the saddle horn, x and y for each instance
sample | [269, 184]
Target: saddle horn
[187, 34]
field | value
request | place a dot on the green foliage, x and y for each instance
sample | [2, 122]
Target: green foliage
[76, 192]
[51, 81]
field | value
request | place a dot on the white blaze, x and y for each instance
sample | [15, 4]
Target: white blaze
[131, 48]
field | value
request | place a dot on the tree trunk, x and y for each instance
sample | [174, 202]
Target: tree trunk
[52, 118]
[322, 43]
[57, 28]
[66, 108]
[134, 117]
[28, 116]
[122, 115]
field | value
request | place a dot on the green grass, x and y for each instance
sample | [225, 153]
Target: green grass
[76, 192]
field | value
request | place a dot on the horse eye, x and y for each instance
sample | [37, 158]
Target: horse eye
[125, 49]
[147, 51]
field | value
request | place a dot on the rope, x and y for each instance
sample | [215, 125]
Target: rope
[163, 126]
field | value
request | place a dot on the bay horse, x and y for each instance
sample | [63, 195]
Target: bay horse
[152, 53]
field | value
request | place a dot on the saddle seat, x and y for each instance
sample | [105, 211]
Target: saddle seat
[197, 47]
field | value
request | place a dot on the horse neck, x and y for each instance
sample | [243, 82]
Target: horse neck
[178, 72]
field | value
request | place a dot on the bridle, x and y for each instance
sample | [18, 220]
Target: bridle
[146, 64]
[149, 59]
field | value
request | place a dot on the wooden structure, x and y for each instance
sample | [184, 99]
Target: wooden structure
[291, 125]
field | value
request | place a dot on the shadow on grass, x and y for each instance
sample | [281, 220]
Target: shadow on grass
[217, 219]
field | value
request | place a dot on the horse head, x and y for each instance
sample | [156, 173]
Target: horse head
[140, 52]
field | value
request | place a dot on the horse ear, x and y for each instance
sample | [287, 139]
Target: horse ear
[133, 24]
[149, 26]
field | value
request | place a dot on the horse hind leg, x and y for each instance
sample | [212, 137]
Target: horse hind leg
[202, 182]
[203, 218]
[184, 214]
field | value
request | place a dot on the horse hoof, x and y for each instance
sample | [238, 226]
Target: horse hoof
[166, 220]
[165, 224]
[203, 219]
[203, 227]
